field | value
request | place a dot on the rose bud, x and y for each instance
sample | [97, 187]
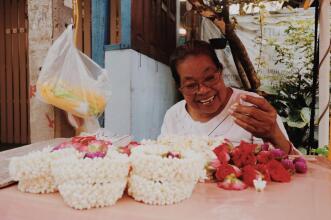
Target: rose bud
[278, 154]
[300, 167]
[299, 159]
[288, 165]
[265, 146]
[95, 154]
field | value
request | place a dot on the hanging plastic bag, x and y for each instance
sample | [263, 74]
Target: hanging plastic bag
[71, 81]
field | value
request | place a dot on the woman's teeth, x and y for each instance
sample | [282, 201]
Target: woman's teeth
[207, 101]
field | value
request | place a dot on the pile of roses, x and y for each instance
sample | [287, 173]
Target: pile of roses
[236, 168]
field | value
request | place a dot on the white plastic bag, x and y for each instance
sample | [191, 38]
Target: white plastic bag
[71, 81]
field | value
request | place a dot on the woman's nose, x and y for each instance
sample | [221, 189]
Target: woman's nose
[202, 88]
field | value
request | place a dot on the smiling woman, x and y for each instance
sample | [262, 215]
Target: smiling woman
[214, 109]
[207, 98]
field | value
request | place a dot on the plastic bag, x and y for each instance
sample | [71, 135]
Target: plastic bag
[71, 81]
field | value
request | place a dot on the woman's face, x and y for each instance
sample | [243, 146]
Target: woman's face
[207, 101]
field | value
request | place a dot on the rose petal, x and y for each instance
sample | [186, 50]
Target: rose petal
[232, 183]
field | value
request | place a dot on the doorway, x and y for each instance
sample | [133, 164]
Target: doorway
[14, 92]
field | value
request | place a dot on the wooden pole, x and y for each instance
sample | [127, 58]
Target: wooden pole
[324, 75]
[240, 55]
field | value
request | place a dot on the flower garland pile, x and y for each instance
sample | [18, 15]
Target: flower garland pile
[162, 176]
[237, 168]
[87, 172]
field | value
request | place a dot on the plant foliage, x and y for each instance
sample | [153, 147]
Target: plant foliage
[292, 97]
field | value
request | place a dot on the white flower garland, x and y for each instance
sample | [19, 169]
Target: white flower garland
[147, 161]
[89, 183]
[159, 180]
[154, 192]
[85, 196]
[33, 171]
[97, 170]
[199, 144]
[41, 184]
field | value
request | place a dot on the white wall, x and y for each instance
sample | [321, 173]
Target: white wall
[142, 91]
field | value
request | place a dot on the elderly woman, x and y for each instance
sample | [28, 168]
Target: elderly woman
[211, 108]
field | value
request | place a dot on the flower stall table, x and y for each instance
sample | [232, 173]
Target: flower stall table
[306, 197]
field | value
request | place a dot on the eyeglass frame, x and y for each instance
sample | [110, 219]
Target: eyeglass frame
[218, 73]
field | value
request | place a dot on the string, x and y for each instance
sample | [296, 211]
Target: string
[218, 125]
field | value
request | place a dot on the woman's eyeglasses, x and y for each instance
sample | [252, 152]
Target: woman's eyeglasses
[192, 88]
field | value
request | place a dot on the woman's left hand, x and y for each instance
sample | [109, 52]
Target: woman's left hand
[259, 117]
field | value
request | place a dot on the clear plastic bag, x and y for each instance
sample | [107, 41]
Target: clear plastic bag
[71, 81]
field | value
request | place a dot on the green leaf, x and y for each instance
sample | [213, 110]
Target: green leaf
[303, 150]
[283, 94]
[305, 114]
[284, 120]
[324, 151]
[308, 99]
[268, 89]
[295, 124]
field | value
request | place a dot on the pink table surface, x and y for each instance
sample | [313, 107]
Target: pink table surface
[306, 197]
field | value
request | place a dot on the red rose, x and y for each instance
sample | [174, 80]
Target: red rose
[226, 146]
[222, 153]
[247, 148]
[232, 183]
[237, 171]
[277, 172]
[244, 154]
[215, 163]
[263, 169]
[250, 174]
[241, 159]
[263, 157]
[224, 170]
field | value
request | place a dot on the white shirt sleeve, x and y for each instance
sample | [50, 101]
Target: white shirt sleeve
[282, 127]
[165, 126]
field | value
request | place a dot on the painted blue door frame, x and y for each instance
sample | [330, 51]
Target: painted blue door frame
[125, 27]
[100, 21]
[100, 29]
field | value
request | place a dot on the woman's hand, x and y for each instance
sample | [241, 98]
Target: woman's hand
[259, 117]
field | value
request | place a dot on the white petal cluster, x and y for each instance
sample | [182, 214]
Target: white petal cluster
[149, 161]
[199, 144]
[41, 184]
[96, 170]
[154, 192]
[159, 180]
[88, 183]
[85, 195]
[33, 171]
